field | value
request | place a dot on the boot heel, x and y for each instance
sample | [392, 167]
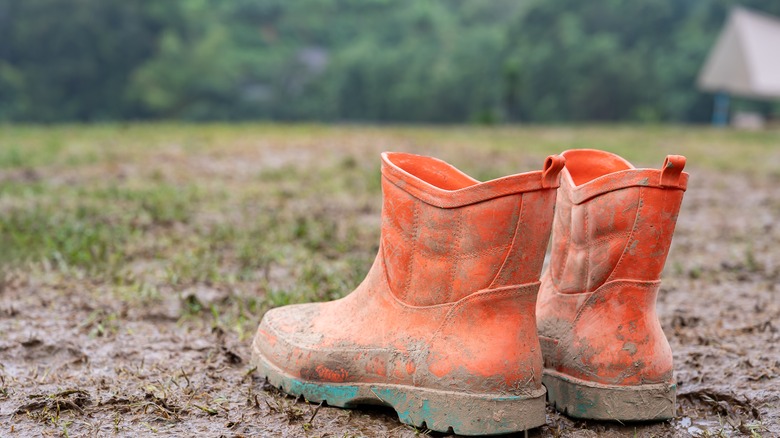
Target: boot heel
[588, 400]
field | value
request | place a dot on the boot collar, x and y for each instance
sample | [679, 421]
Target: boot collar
[439, 184]
[623, 175]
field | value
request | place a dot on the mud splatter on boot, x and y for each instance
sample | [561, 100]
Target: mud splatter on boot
[443, 328]
[605, 354]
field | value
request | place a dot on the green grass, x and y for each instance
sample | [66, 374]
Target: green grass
[272, 214]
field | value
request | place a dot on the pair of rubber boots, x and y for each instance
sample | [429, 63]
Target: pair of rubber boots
[444, 327]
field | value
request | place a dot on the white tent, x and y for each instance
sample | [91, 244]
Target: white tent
[745, 61]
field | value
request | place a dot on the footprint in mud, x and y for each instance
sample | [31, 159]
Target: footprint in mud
[51, 355]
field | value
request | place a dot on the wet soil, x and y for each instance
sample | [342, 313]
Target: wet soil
[74, 361]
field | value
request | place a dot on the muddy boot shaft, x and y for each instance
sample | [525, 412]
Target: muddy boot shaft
[605, 354]
[443, 328]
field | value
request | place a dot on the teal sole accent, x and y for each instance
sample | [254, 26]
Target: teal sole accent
[437, 410]
[588, 400]
[337, 395]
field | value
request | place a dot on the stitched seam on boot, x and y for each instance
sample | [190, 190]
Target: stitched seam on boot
[451, 313]
[556, 279]
[483, 294]
[587, 252]
[401, 302]
[412, 254]
[606, 286]
[567, 294]
[470, 255]
[603, 238]
[456, 245]
[612, 285]
[639, 206]
[511, 245]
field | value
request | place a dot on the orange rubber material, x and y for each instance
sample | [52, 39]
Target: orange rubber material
[596, 312]
[449, 303]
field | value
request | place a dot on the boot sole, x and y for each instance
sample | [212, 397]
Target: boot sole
[588, 400]
[437, 410]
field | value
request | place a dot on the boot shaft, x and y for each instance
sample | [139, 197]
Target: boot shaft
[446, 235]
[612, 221]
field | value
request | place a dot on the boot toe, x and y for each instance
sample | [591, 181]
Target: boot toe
[285, 336]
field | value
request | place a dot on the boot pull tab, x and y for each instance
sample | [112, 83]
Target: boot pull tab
[673, 167]
[552, 167]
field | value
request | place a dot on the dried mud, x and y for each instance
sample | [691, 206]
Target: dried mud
[62, 373]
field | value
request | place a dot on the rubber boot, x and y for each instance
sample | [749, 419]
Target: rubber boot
[443, 327]
[605, 355]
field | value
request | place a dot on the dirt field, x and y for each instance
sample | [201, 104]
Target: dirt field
[137, 260]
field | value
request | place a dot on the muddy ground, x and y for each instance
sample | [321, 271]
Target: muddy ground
[147, 344]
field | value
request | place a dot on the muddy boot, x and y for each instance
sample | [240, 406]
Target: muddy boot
[443, 328]
[605, 355]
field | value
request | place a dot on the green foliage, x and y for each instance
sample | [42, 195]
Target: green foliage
[62, 60]
[403, 60]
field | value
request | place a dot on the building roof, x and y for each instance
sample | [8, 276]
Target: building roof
[745, 60]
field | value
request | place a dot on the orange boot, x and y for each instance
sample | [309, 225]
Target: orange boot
[605, 355]
[443, 327]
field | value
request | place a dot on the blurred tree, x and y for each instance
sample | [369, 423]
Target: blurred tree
[193, 73]
[365, 60]
[70, 60]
